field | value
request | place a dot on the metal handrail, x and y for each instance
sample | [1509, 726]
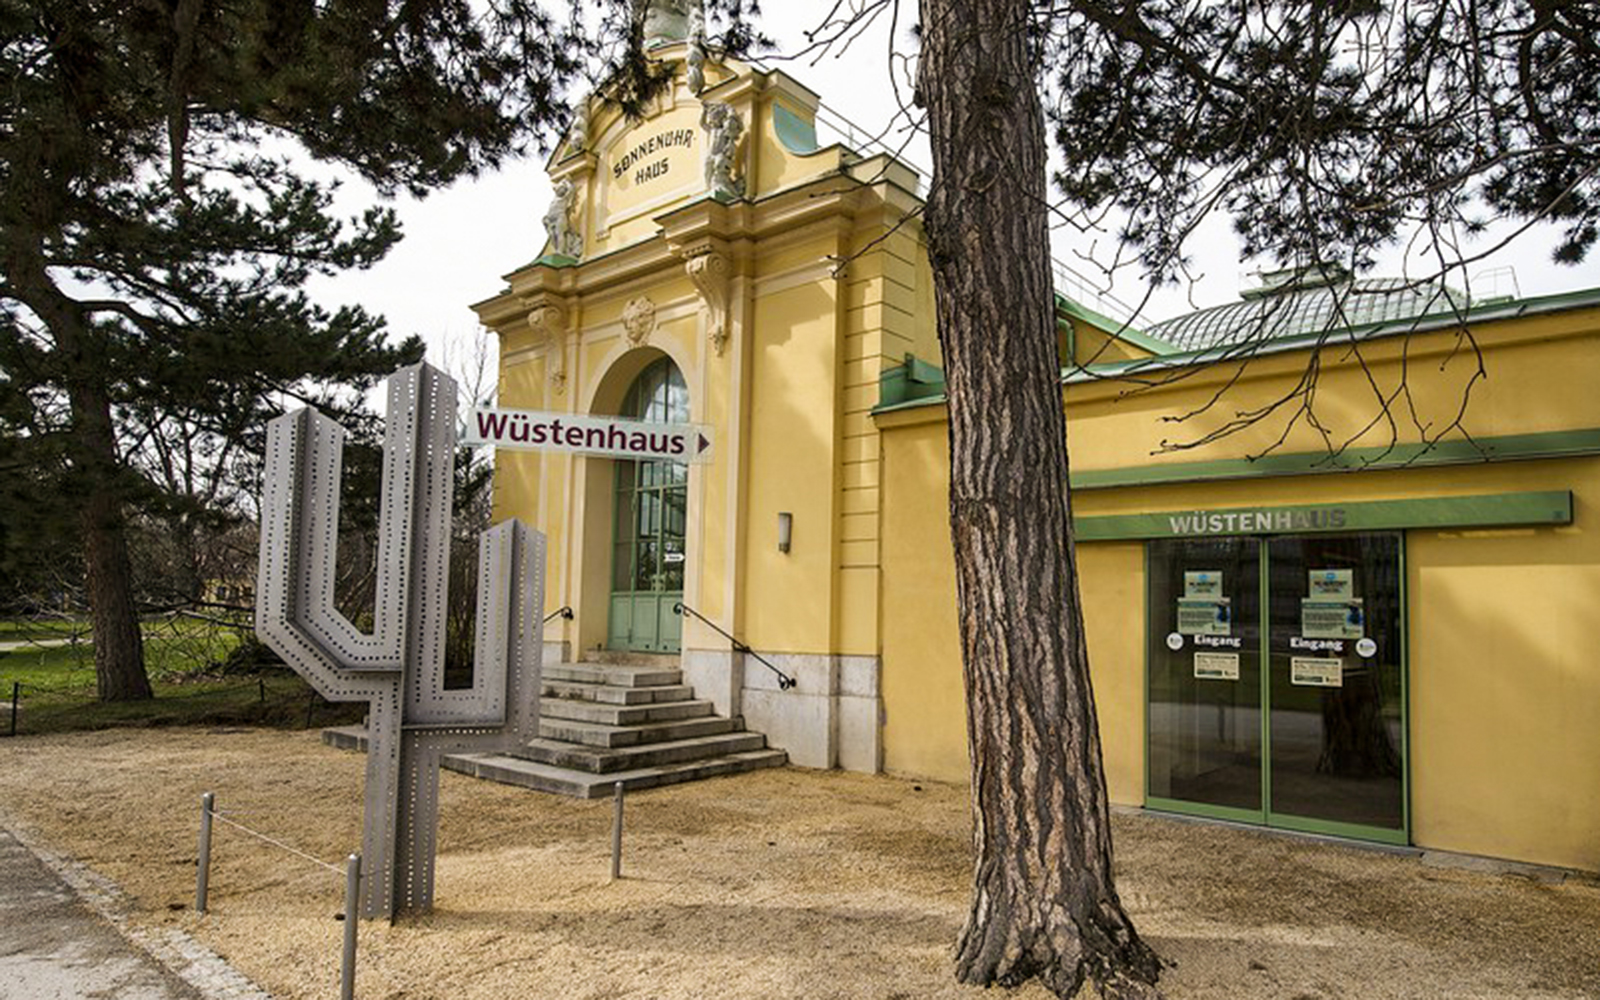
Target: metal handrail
[785, 682]
[561, 612]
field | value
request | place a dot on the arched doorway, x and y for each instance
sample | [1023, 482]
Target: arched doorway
[649, 521]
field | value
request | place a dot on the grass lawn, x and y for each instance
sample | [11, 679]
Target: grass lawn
[183, 660]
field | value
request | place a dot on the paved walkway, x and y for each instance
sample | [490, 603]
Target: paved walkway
[12, 645]
[55, 946]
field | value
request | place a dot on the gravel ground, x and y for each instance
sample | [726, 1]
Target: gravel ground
[786, 883]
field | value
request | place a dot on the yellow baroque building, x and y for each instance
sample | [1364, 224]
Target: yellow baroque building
[1329, 621]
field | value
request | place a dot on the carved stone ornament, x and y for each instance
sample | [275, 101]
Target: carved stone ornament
[639, 320]
[579, 137]
[695, 59]
[724, 145]
[709, 271]
[564, 239]
[550, 324]
[665, 21]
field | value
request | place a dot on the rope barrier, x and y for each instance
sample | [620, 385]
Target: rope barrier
[278, 843]
[352, 884]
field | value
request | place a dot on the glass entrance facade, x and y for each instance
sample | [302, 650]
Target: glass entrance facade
[1277, 681]
[650, 508]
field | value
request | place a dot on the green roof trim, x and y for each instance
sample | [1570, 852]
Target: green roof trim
[912, 382]
[1580, 443]
[1121, 331]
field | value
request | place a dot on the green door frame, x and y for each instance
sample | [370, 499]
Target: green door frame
[1265, 816]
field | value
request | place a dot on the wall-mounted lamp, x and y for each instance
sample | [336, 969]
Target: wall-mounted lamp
[785, 530]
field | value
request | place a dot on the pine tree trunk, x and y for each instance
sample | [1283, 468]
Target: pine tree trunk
[108, 571]
[1043, 903]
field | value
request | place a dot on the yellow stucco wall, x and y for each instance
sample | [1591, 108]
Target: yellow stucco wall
[1504, 722]
[1505, 705]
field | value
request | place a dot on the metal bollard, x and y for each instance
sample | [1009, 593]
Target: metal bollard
[616, 832]
[16, 699]
[202, 877]
[352, 909]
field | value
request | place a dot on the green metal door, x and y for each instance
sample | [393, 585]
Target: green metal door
[651, 507]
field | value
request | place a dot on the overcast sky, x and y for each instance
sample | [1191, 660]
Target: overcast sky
[461, 240]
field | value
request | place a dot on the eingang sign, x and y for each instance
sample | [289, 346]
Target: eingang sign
[613, 437]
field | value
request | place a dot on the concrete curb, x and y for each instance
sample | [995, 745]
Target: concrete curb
[182, 955]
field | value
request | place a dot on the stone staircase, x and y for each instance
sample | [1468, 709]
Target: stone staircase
[603, 722]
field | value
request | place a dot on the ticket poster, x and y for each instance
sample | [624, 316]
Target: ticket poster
[1316, 671]
[1322, 619]
[1216, 666]
[1205, 617]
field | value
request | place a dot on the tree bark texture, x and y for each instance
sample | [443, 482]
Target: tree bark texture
[108, 570]
[1043, 903]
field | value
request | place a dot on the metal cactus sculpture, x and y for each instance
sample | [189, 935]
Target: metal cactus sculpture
[399, 666]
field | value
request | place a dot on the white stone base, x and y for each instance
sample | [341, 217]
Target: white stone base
[717, 675]
[830, 718]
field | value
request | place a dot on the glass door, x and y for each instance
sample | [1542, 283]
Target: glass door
[1205, 676]
[1336, 685]
[651, 517]
[1316, 741]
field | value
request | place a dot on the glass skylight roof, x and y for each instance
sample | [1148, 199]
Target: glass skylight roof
[1286, 311]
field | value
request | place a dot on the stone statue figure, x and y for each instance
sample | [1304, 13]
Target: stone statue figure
[696, 58]
[665, 21]
[578, 136]
[564, 240]
[724, 132]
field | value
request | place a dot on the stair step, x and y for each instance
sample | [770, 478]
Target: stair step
[612, 695]
[640, 771]
[583, 785]
[598, 760]
[596, 734]
[630, 657]
[614, 674]
[623, 715]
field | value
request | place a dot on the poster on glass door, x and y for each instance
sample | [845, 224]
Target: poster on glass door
[1332, 610]
[1216, 666]
[1203, 610]
[1316, 671]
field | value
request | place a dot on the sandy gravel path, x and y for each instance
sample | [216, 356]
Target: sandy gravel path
[784, 883]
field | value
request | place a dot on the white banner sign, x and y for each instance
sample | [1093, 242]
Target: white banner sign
[617, 437]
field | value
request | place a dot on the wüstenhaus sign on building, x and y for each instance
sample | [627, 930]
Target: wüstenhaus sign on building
[1352, 625]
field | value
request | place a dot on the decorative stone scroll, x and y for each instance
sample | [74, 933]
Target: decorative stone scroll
[709, 272]
[398, 667]
[549, 324]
